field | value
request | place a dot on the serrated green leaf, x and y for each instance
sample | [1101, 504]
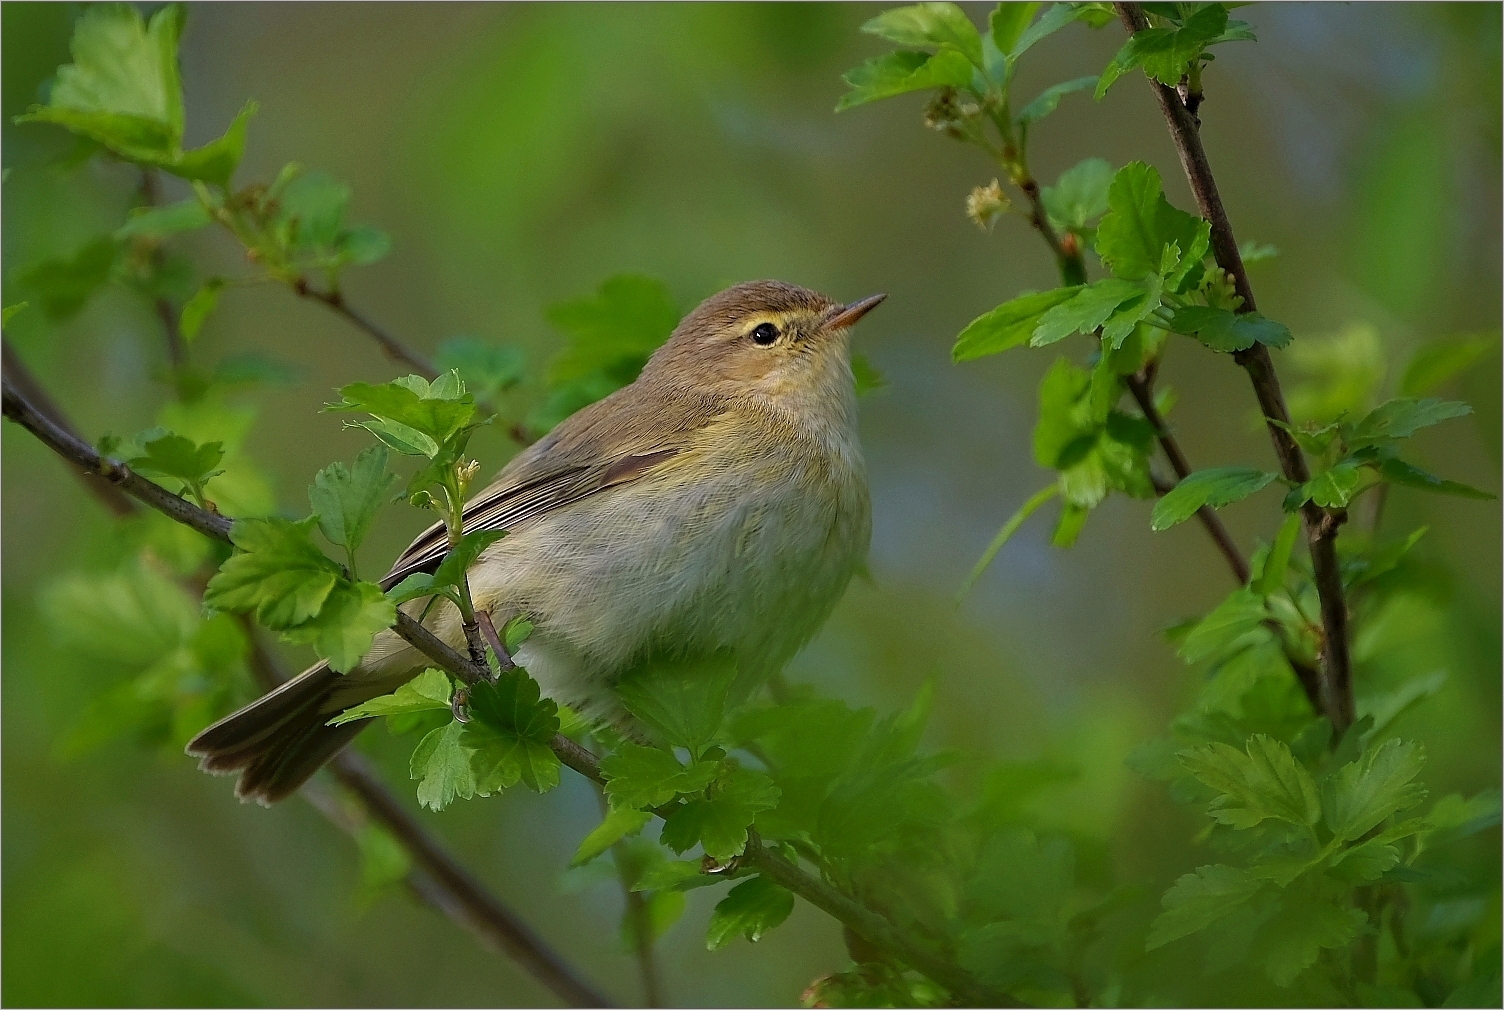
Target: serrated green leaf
[442, 766]
[683, 700]
[509, 733]
[1087, 309]
[217, 160]
[642, 777]
[1140, 222]
[1332, 488]
[618, 823]
[1364, 792]
[172, 455]
[405, 407]
[1433, 365]
[1222, 330]
[1048, 100]
[1165, 53]
[1397, 471]
[1401, 419]
[1216, 487]
[346, 500]
[752, 909]
[1080, 195]
[719, 823]
[1009, 325]
[429, 691]
[1264, 780]
[902, 72]
[929, 25]
[1307, 923]
[351, 616]
[1199, 899]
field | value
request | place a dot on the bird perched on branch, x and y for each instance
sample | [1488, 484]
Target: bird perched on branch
[717, 506]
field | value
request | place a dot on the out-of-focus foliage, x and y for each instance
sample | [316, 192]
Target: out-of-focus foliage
[1298, 867]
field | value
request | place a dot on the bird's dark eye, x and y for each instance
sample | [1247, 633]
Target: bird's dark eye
[765, 335]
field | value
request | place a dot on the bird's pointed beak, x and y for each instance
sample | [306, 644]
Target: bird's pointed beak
[846, 315]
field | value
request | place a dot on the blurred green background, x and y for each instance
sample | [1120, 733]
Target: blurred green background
[518, 155]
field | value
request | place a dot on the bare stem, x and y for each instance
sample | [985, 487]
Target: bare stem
[1321, 524]
[393, 348]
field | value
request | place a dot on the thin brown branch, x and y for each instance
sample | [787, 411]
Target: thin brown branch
[117, 502]
[177, 356]
[393, 348]
[1143, 395]
[868, 924]
[1321, 525]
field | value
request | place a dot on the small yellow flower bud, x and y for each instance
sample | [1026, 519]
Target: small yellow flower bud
[986, 204]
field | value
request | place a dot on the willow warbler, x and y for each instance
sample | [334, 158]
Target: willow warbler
[716, 506]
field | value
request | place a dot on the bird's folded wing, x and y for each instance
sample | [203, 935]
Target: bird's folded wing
[574, 462]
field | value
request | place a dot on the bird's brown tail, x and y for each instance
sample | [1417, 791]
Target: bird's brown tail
[279, 740]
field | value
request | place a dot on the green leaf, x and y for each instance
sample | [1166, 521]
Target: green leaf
[752, 909]
[1087, 309]
[509, 733]
[9, 313]
[412, 406]
[1306, 924]
[640, 777]
[63, 286]
[346, 500]
[1005, 534]
[1222, 330]
[312, 211]
[1007, 23]
[277, 573]
[198, 308]
[1361, 794]
[1397, 471]
[217, 160]
[122, 88]
[1080, 196]
[1216, 487]
[618, 823]
[1262, 781]
[1009, 325]
[901, 72]
[1332, 488]
[1057, 17]
[930, 25]
[719, 823]
[1401, 419]
[682, 700]
[159, 222]
[427, 692]
[615, 330]
[170, 455]
[1048, 100]
[1140, 223]
[1165, 53]
[1199, 899]
[1277, 562]
[1251, 252]
[677, 875]
[352, 615]
[442, 766]
[1237, 622]
[1068, 529]
[489, 369]
[1433, 365]
[451, 571]
[361, 245]
[1454, 818]
[868, 379]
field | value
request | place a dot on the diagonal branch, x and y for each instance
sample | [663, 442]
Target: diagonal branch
[390, 345]
[866, 923]
[1321, 524]
[437, 877]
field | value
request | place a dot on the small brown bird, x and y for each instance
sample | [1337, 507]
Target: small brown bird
[717, 505]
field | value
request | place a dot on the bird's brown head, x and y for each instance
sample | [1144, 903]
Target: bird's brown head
[763, 338]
